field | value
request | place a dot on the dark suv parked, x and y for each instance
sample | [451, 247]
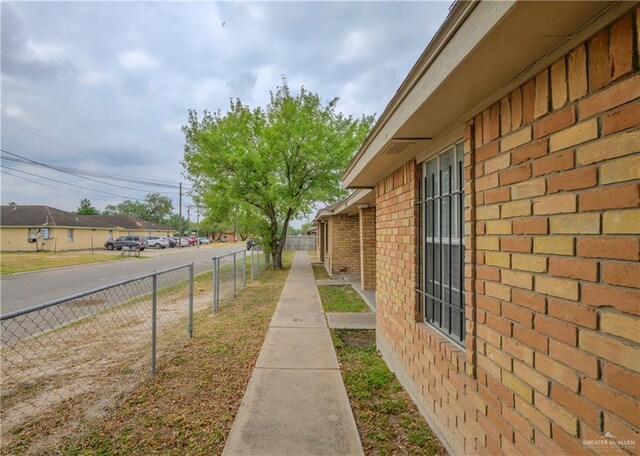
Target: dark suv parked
[133, 242]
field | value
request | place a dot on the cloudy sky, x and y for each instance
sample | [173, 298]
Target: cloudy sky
[105, 86]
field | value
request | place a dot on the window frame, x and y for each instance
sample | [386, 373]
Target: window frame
[69, 234]
[438, 311]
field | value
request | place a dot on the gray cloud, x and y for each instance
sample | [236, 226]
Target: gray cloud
[115, 80]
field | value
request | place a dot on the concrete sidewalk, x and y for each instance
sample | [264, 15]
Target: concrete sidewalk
[296, 403]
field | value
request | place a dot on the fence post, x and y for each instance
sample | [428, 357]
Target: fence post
[252, 265]
[235, 270]
[244, 269]
[191, 280]
[218, 286]
[216, 282]
[154, 317]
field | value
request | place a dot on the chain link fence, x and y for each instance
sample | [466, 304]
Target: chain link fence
[93, 345]
[230, 273]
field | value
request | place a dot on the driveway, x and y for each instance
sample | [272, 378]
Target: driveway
[24, 290]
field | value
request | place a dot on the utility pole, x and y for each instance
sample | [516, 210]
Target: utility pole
[180, 217]
[198, 224]
[189, 217]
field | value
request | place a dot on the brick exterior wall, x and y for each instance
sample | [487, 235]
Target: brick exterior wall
[343, 255]
[368, 248]
[320, 240]
[552, 271]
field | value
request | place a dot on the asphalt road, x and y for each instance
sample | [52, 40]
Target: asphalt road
[24, 290]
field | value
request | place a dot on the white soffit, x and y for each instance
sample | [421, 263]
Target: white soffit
[355, 201]
[496, 43]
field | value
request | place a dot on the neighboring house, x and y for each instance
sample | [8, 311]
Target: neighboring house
[30, 228]
[129, 225]
[506, 175]
[345, 238]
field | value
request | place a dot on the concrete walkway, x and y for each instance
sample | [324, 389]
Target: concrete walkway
[296, 403]
[351, 320]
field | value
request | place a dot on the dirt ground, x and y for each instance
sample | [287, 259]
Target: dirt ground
[92, 393]
[90, 363]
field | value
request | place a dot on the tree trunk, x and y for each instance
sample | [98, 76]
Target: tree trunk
[277, 257]
[274, 245]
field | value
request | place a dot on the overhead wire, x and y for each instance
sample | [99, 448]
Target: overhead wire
[72, 185]
[56, 142]
[117, 177]
[28, 161]
[47, 186]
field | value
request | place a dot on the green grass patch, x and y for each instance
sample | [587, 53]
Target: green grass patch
[388, 421]
[11, 263]
[320, 272]
[341, 298]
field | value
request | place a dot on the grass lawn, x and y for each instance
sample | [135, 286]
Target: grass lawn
[190, 405]
[320, 272]
[341, 298]
[10, 263]
[388, 421]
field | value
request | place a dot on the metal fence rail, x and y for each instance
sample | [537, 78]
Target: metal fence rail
[230, 273]
[100, 341]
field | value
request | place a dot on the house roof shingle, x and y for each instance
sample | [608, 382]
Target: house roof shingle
[32, 215]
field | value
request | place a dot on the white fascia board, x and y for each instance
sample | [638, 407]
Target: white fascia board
[470, 33]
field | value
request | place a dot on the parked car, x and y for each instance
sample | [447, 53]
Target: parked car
[204, 240]
[223, 238]
[184, 242]
[192, 240]
[132, 242]
[172, 241]
[250, 244]
[159, 242]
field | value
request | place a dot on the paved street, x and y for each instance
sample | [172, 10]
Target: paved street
[24, 290]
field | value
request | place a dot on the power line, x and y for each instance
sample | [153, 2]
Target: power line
[45, 185]
[27, 161]
[117, 177]
[55, 142]
[24, 162]
[72, 185]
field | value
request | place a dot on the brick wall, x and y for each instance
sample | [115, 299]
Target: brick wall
[320, 237]
[552, 265]
[344, 245]
[368, 248]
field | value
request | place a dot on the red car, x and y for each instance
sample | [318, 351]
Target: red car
[193, 240]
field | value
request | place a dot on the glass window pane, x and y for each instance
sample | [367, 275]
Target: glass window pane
[431, 173]
[442, 262]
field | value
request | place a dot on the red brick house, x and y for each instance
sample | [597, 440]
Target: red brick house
[506, 174]
[346, 237]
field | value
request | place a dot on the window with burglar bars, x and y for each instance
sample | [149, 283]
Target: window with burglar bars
[440, 288]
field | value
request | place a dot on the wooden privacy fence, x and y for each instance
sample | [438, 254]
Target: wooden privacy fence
[300, 243]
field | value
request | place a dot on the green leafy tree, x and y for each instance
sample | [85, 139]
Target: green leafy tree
[232, 217]
[304, 228]
[276, 161]
[249, 223]
[159, 208]
[174, 222]
[128, 207]
[154, 208]
[85, 208]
